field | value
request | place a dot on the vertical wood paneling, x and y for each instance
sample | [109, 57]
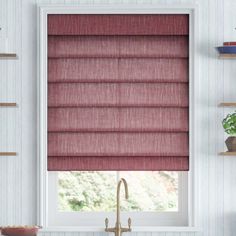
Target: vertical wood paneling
[212, 121]
[203, 119]
[28, 107]
[3, 23]
[219, 140]
[229, 95]
[18, 79]
[10, 173]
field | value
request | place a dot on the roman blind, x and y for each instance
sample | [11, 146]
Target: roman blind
[118, 92]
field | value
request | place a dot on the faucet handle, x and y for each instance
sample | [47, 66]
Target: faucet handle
[113, 230]
[129, 223]
[127, 229]
[106, 223]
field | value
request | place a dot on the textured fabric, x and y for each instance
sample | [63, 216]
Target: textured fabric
[118, 92]
[118, 46]
[118, 70]
[130, 119]
[117, 163]
[163, 24]
[114, 94]
[121, 144]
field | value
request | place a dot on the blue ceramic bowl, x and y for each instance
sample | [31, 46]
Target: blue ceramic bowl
[227, 49]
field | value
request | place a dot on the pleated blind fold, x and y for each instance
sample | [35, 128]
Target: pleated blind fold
[118, 92]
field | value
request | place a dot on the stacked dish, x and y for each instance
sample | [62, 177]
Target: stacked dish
[227, 48]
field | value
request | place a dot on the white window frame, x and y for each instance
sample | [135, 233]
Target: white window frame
[96, 219]
[194, 85]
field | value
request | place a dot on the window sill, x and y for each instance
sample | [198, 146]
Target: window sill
[134, 229]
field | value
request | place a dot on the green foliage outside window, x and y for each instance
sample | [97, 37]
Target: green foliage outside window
[96, 191]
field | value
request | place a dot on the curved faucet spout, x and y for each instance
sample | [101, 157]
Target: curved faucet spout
[118, 230]
[122, 180]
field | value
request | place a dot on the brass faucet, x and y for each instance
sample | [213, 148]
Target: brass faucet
[118, 230]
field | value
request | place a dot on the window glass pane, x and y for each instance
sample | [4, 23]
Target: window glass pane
[96, 191]
[87, 190]
[151, 191]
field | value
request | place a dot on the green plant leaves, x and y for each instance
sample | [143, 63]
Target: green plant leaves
[229, 124]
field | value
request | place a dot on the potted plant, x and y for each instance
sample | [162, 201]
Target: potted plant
[229, 125]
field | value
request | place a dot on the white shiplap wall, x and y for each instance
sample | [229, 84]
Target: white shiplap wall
[18, 79]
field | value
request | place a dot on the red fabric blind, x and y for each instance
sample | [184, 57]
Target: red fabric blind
[163, 24]
[118, 92]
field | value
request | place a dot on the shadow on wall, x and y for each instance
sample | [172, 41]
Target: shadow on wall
[230, 223]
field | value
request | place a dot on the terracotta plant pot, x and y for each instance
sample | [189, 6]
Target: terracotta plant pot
[231, 144]
[20, 230]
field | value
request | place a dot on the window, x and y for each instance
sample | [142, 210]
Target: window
[85, 191]
[161, 196]
[156, 152]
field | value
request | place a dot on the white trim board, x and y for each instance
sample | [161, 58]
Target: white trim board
[134, 229]
[43, 11]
